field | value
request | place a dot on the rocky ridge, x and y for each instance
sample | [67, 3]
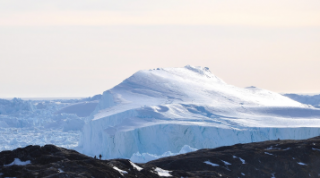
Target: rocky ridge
[278, 158]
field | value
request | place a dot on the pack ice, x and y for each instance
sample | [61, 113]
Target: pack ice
[160, 110]
[43, 121]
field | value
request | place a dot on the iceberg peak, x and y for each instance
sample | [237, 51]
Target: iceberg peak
[198, 69]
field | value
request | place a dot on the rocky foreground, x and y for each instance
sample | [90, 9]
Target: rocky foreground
[280, 158]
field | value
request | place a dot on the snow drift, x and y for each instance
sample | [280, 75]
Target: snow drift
[160, 110]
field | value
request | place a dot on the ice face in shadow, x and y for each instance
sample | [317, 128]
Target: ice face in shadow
[160, 110]
[313, 100]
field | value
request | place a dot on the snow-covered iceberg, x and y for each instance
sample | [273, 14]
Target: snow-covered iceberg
[160, 110]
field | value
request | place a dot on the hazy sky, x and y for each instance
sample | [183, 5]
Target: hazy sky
[58, 48]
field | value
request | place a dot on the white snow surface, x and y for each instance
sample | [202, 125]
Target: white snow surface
[161, 110]
[211, 164]
[136, 166]
[302, 164]
[267, 153]
[242, 160]
[119, 170]
[162, 172]
[226, 163]
[18, 162]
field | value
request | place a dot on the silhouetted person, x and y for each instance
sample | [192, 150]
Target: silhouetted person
[100, 156]
[95, 157]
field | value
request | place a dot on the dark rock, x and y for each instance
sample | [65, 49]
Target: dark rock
[279, 158]
[55, 162]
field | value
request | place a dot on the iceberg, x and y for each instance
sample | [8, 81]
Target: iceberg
[160, 110]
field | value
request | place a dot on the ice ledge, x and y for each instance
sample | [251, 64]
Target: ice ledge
[161, 138]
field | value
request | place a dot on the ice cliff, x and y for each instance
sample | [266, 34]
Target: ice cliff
[163, 109]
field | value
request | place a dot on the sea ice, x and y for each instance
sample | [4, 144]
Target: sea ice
[40, 122]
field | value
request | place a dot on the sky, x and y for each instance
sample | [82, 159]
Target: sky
[79, 48]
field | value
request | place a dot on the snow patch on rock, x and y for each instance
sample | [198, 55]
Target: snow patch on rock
[119, 170]
[162, 172]
[18, 162]
[211, 164]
